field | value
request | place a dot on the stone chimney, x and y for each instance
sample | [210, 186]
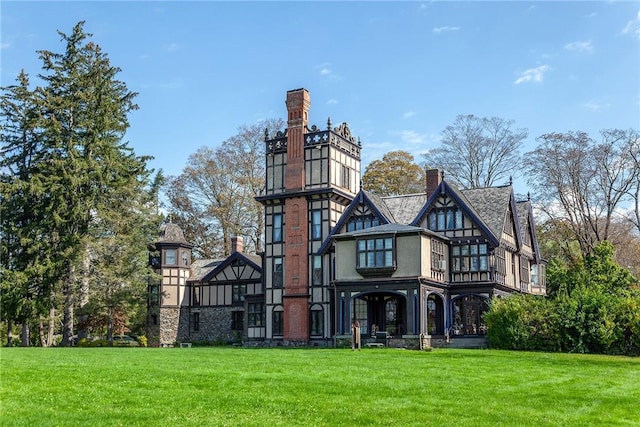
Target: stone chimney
[237, 244]
[434, 178]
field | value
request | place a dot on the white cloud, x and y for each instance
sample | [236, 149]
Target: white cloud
[326, 71]
[595, 106]
[332, 101]
[5, 45]
[579, 46]
[633, 27]
[533, 74]
[591, 15]
[171, 47]
[439, 30]
[408, 114]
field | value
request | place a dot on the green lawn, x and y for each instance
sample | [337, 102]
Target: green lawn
[262, 387]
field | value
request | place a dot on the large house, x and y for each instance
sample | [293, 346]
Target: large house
[415, 270]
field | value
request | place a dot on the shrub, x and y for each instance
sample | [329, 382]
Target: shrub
[142, 340]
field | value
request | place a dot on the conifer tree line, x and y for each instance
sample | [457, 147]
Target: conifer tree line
[77, 206]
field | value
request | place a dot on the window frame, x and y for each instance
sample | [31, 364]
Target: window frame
[174, 257]
[376, 258]
[470, 257]
[277, 274]
[316, 224]
[256, 315]
[277, 231]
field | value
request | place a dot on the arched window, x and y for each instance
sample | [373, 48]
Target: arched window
[435, 315]
[468, 314]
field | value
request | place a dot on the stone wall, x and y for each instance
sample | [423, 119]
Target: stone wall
[215, 326]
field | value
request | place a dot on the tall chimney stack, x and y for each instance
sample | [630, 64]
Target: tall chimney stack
[434, 178]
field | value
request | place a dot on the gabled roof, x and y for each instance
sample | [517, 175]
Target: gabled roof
[405, 207]
[525, 217]
[491, 204]
[202, 267]
[467, 206]
[209, 268]
[373, 201]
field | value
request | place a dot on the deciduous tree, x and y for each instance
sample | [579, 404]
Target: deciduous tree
[478, 152]
[213, 199]
[395, 174]
[583, 183]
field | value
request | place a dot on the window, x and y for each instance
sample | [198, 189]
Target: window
[438, 262]
[375, 253]
[195, 296]
[447, 218]
[185, 258]
[277, 228]
[278, 322]
[470, 257]
[435, 315]
[316, 322]
[345, 177]
[362, 222]
[238, 292]
[256, 314]
[277, 279]
[170, 257]
[524, 269]
[468, 313]
[360, 314]
[316, 272]
[237, 320]
[195, 318]
[316, 225]
[154, 294]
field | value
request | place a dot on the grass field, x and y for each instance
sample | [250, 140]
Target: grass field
[264, 387]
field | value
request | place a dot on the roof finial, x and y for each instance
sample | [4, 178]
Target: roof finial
[266, 134]
[329, 123]
[510, 180]
[528, 196]
[170, 218]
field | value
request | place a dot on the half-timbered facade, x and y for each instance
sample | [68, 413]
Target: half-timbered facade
[417, 269]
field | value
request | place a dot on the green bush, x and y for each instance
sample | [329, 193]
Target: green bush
[142, 340]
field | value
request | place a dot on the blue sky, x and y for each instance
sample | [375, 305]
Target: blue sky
[397, 72]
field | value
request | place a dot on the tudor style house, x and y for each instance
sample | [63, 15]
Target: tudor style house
[414, 270]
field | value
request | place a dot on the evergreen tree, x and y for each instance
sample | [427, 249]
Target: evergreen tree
[25, 262]
[71, 188]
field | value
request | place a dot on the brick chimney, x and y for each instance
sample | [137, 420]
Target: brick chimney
[237, 244]
[298, 103]
[434, 178]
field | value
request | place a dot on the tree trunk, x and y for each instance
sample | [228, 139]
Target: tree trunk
[69, 301]
[24, 336]
[9, 332]
[43, 342]
[83, 302]
[110, 327]
[51, 327]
